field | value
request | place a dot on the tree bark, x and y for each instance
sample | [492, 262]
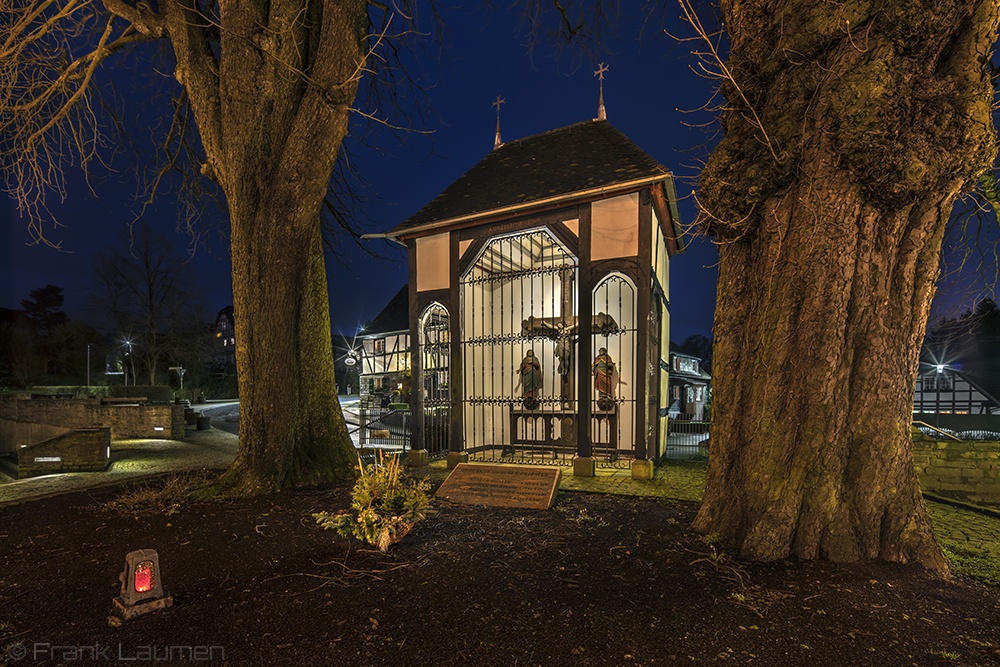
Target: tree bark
[830, 212]
[272, 111]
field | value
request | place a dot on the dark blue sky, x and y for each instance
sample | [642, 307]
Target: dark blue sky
[647, 89]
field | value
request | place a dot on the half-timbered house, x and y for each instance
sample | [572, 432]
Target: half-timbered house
[943, 389]
[385, 354]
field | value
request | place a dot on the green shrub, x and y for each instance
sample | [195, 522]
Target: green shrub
[221, 386]
[156, 393]
[78, 391]
[399, 406]
[386, 506]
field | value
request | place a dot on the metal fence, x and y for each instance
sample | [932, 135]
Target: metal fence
[384, 428]
[437, 431]
[949, 434]
[390, 429]
[687, 439]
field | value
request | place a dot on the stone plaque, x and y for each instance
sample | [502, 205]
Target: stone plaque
[501, 485]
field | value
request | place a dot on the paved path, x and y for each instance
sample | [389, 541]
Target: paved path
[130, 459]
[974, 530]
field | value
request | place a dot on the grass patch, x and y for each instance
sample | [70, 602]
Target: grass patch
[972, 564]
[715, 539]
[161, 495]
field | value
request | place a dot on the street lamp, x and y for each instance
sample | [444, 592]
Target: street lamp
[180, 373]
[128, 354]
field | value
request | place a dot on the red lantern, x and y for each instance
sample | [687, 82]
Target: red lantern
[142, 587]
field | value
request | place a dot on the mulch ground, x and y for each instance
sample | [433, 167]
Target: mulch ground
[598, 580]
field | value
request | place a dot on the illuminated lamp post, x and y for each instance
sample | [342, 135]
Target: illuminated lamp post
[128, 358]
[937, 395]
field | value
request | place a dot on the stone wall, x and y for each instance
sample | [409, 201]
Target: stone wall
[82, 450]
[25, 421]
[968, 470]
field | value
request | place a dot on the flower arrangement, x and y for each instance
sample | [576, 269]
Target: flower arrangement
[385, 504]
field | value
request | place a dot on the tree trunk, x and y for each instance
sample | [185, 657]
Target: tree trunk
[830, 212]
[272, 113]
[292, 429]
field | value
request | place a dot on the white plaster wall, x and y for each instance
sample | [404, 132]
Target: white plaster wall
[614, 227]
[433, 262]
[395, 358]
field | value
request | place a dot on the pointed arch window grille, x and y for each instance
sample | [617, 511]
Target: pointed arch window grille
[435, 350]
[613, 400]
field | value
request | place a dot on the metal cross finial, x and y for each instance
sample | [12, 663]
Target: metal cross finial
[601, 69]
[497, 142]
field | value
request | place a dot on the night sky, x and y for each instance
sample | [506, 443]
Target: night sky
[647, 90]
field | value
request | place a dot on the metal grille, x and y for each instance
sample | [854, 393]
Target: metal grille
[519, 350]
[687, 439]
[613, 404]
[435, 338]
[382, 428]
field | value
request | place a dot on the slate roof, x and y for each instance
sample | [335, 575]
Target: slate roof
[579, 157]
[394, 317]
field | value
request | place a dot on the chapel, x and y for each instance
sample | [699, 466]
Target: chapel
[539, 305]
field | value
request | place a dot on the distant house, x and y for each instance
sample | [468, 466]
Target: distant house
[958, 380]
[946, 390]
[688, 387]
[225, 337]
[960, 396]
[385, 352]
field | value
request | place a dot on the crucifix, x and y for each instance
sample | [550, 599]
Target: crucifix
[564, 331]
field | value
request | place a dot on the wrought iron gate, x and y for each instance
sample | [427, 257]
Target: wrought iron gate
[519, 346]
